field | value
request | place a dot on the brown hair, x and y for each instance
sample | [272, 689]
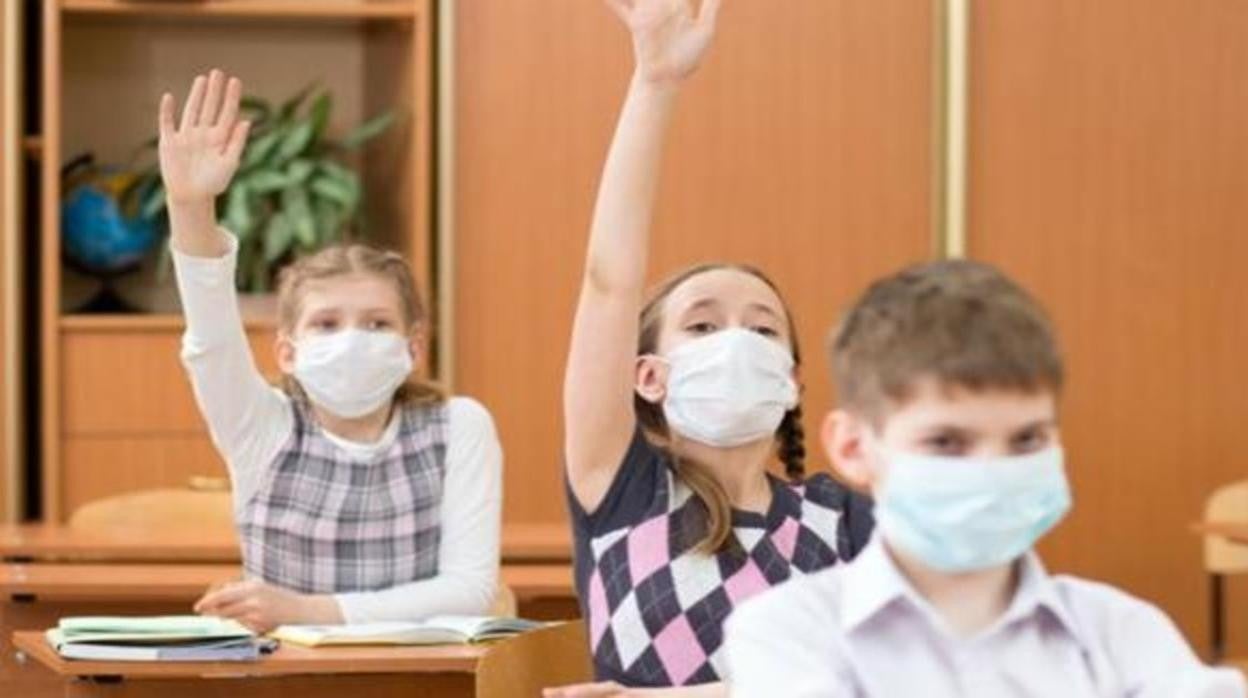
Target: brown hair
[717, 509]
[354, 258]
[963, 323]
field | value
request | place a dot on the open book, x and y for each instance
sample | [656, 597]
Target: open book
[439, 630]
[158, 638]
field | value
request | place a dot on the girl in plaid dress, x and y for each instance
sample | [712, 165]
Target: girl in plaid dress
[675, 407]
[360, 493]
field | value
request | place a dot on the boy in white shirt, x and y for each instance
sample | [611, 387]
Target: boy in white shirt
[948, 375]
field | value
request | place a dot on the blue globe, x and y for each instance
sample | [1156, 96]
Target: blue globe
[96, 236]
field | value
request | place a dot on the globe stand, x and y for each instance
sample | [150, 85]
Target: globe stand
[107, 301]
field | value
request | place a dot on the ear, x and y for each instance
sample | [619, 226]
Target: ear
[284, 350]
[651, 379]
[844, 436]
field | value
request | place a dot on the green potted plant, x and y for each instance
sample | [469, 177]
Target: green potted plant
[295, 190]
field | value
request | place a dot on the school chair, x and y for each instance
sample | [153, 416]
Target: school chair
[1228, 503]
[178, 510]
[522, 666]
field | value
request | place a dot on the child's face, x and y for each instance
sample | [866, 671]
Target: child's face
[942, 420]
[364, 302]
[706, 303]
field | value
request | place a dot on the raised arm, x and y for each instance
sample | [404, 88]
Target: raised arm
[248, 420]
[669, 41]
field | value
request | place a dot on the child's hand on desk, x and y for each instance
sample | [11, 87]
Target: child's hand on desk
[262, 607]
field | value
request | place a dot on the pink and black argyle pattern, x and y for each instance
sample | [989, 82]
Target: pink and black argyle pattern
[656, 608]
[324, 523]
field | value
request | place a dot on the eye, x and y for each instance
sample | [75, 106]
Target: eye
[701, 328]
[1030, 441]
[766, 331]
[325, 324]
[379, 325]
[945, 444]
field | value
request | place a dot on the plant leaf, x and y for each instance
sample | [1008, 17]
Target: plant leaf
[257, 110]
[294, 142]
[263, 181]
[298, 171]
[278, 235]
[328, 221]
[290, 106]
[298, 210]
[333, 189]
[238, 216]
[368, 130]
[259, 148]
[153, 203]
[321, 109]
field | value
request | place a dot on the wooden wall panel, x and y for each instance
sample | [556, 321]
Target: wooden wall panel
[803, 146]
[1109, 165]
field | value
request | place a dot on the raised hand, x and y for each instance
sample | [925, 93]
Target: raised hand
[199, 156]
[669, 40]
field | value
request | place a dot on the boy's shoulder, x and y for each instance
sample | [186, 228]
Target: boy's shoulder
[1103, 611]
[811, 601]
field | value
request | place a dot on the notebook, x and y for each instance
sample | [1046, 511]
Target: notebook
[439, 630]
[159, 638]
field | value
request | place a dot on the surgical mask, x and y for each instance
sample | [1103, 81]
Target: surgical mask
[729, 388]
[352, 372]
[964, 514]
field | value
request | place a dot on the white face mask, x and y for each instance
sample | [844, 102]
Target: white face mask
[729, 388]
[352, 372]
[964, 514]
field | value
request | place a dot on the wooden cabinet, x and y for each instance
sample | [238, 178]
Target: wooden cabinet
[117, 411]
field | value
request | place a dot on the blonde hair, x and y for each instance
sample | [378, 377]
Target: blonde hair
[355, 258]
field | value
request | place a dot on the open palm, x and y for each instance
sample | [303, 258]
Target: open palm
[669, 40]
[199, 156]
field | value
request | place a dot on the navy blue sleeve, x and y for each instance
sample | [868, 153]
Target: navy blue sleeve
[857, 519]
[631, 494]
[860, 520]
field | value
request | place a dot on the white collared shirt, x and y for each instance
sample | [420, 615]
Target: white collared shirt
[862, 630]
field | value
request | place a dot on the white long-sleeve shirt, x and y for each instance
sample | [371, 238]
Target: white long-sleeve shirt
[250, 420]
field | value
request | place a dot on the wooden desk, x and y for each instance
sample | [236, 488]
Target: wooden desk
[49, 542]
[364, 672]
[37, 595]
[528, 543]
[102, 582]
[1235, 532]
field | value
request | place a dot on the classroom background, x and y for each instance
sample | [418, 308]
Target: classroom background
[1096, 151]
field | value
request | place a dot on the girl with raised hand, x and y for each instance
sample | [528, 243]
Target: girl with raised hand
[675, 407]
[360, 492]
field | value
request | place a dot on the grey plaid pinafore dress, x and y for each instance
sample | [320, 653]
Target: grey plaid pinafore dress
[324, 523]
